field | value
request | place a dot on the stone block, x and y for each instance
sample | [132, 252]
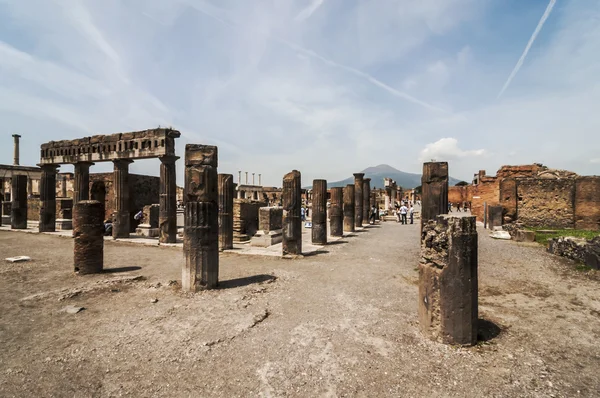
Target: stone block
[151, 215]
[64, 224]
[147, 230]
[267, 238]
[579, 249]
[269, 218]
[523, 235]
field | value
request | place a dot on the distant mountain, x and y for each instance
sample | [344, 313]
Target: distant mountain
[378, 173]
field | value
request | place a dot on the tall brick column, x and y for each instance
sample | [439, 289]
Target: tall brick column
[167, 215]
[448, 280]
[225, 182]
[349, 211]
[434, 183]
[81, 185]
[19, 202]
[48, 198]
[201, 232]
[358, 199]
[336, 212]
[319, 216]
[366, 199]
[88, 247]
[121, 220]
[292, 222]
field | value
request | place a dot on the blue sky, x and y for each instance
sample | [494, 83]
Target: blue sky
[328, 87]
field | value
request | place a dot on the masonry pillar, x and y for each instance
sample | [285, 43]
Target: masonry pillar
[495, 216]
[201, 231]
[63, 187]
[29, 187]
[448, 280]
[366, 199]
[292, 204]
[167, 214]
[319, 212]
[81, 185]
[88, 248]
[121, 220]
[48, 198]
[358, 199]
[19, 202]
[336, 212]
[434, 184]
[349, 212]
[225, 182]
[16, 138]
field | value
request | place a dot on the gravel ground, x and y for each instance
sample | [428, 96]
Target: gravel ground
[339, 323]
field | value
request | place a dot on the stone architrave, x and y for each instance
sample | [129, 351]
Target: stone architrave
[319, 212]
[434, 184]
[19, 202]
[349, 213]
[358, 199]
[366, 199]
[121, 218]
[167, 218]
[81, 185]
[336, 212]
[448, 280]
[291, 220]
[48, 198]
[495, 216]
[201, 230]
[88, 248]
[225, 182]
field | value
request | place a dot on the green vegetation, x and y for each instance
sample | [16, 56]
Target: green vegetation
[461, 184]
[542, 238]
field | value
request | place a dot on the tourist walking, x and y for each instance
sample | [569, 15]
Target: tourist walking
[411, 213]
[403, 211]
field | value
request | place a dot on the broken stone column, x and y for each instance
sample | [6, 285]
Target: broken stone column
[167, 218]
[358, 199]
[88, 249]
[269, 227]
[448, 280]
[292, 222]
[225, 182]
[81, 185]
[319, 212]
[336, 212]
[349, 212]
[121, 220]
[19, 202]
[495, 216]
[434, 184]
[201, 230]
[366, 199]
[48, 198]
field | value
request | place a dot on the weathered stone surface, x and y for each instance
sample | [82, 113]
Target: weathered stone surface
[225, 182]
[270, 218]
[448, 292]
[81, 186]
[319, 212]
[167, 221]
[349, 210]
[579, 249]
[434, 184]
[121, 218]
[292, 222]
[498, 234]
[19, 202]
[587, 203]
[495, 217]
[358, 199]
[47, 221]
[245, 219]
[523, 235]
[201, 230]
[336, 212]
[366, 199]
[88, 248]
[546, 202]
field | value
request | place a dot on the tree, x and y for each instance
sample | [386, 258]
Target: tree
[461, 184]
[418, 190]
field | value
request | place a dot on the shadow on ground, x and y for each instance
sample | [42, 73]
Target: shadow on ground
[120, 269]
[337, 242]
[487, 330]
[248, 280]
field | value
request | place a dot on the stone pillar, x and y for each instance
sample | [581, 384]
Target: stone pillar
[259, 180]
[239, 178]
[292, 222]
[358, 199]
[448, 280]
[121, 218]
[225, 182]
[201, 231]
[366, 199]
[16, 149]
[88, 249]
[336, 212]
[167, 216]
[495, 216]
[252, 178]
[48, 198]
[349, 212]
[30, 187]
[434, 184]
[81, 186]
[19, 202]
[239, 194]
[319, 212]
[63, 187]
[246, 178]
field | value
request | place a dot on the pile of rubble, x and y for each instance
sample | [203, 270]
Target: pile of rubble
[579, 249]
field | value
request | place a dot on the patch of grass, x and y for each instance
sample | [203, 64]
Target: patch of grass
[542, 238]
[583, 268]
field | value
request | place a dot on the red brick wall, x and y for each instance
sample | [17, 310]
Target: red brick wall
[460, 194]
[508, 199]
[487, 191]
[546, 202]
[587, 203]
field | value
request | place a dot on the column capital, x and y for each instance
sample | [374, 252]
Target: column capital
[84, 163]
[122, 161]
[48, 168]
[359, 175]
[169, 158]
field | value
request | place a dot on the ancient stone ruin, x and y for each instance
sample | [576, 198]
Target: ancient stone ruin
[88, 246]
[292, 223]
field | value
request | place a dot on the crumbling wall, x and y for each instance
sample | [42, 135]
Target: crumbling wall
[460, 194]
[508, 199]
[33, 209]
[546, 202]
[579, 249]
[487, 191]
[245, 218]
[587, 203]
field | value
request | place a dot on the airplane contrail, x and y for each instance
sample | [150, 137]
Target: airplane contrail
[529, 44]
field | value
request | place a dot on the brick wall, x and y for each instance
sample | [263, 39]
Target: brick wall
[546, 202]
[508, 199]
[460, 194]
[33, 209]
[487, 191]
[587, 203]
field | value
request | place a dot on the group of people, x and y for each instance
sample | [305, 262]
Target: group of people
[465, 206]
[403, 212]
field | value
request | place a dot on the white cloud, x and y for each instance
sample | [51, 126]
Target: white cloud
[308, 11]
[597, 160]
[446, 149]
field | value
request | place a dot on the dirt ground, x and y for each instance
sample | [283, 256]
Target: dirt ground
[339, 323]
